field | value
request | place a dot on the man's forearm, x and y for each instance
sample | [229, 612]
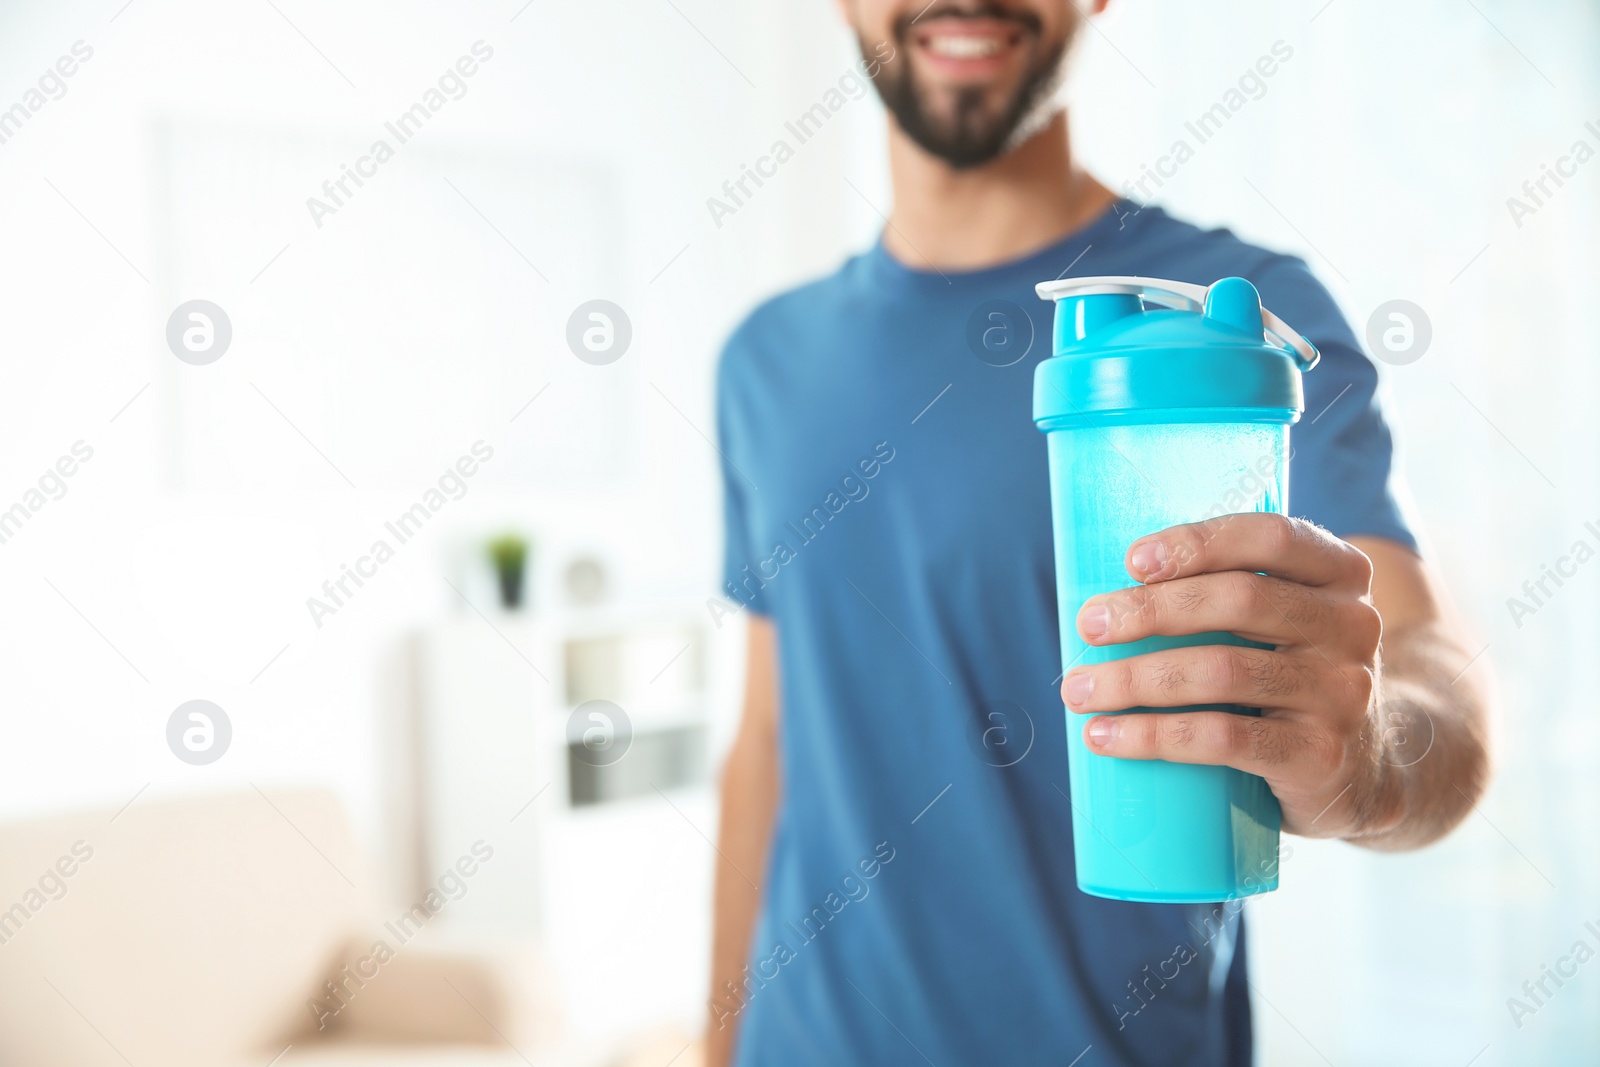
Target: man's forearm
[749, 803]
[1433, 722]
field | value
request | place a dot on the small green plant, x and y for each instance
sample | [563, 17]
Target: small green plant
[509, 554]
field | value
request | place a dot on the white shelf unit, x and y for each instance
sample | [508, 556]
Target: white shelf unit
[615, 892]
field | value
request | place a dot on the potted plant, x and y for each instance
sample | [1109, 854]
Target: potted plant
[509, 554]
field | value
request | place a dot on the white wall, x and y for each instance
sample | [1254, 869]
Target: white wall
[392, 337]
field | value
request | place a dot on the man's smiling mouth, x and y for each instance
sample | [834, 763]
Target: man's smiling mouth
[968, 48]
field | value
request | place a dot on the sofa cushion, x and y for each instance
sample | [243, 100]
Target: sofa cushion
[179, 932]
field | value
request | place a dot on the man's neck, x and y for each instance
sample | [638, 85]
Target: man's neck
[1028, 199]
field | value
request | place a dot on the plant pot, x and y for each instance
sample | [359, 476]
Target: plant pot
[510, 580]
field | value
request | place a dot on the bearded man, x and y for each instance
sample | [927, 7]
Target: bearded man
[895, 882]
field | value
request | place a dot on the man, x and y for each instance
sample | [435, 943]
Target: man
[888, 895]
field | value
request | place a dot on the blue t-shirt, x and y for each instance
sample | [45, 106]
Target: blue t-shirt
[888, 506]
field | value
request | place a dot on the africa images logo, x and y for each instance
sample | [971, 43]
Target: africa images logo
[453, 484]
[852, 489]
[853, 84]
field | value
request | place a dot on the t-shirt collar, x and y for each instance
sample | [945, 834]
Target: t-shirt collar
[890, 272]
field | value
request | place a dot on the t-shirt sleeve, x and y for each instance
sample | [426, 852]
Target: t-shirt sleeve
[740, 561]
[1341, 468]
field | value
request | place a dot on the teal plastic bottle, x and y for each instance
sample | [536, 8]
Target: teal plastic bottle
[1163, 403]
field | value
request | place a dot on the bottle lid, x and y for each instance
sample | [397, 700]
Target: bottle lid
[1133, 350]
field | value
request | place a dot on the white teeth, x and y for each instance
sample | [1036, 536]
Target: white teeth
[964, 47]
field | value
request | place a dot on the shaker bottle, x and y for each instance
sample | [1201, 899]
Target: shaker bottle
[1163, 403]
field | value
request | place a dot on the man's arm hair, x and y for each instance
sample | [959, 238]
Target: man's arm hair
[749, 792]
[1434, 704]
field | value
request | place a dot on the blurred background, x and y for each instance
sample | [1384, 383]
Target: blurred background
[430, 754]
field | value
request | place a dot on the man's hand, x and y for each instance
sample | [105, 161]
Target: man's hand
[1277, 581]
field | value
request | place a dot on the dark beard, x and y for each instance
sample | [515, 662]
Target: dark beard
[973, 136]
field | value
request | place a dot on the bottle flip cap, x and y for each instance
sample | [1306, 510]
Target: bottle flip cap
[1130, 349]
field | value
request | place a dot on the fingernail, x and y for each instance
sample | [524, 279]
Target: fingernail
[1095, 621]
[1101, 731]
[1149, 558]
[1079, 686]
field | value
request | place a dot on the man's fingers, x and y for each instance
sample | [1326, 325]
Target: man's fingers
[1202, 674]
[1291, 549]
[1270, 610]
[1269, 747]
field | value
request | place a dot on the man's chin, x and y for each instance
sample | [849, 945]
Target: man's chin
[975, 140]
[947, 102]
[968, 128]
[965, 125]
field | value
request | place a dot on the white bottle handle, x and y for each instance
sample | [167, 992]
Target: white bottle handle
[1180, 296]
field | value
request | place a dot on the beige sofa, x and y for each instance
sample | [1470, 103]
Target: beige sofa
[205, 931]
